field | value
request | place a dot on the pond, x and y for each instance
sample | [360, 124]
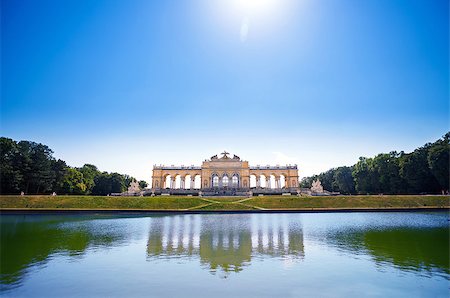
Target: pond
[395, 254]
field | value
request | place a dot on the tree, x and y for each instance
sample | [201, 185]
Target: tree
[306, 182]
[35, 162]
[102, 184]
[89, 173]
[416, 173]
[385, 168]
[438, 161]
[326, 178]
[343, 180]
[73, 182]
[119, 182]
[362, 175]
[10, 176]
[59, 168]
[143, 184]
[109, 183]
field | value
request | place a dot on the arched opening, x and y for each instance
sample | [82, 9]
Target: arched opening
[225, 181]
[262, 181]
[187, 182]
[252, 181]
[235, 181]
[167, 181]
[282, 181]
[177, 181]
[197, 182]
[215, 181]
[272, 183]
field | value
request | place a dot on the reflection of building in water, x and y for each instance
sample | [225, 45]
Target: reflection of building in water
[225, 242]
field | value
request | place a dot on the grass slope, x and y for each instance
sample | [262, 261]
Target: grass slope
[94, 202]
[221, 203]
[386, 201]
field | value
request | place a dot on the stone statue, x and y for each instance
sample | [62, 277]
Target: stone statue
[236, 157]
[214, 157]
[317, 186]
[134, 187]
[225, 155]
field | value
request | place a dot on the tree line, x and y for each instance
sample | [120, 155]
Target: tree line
[30, 167]
[425, 170]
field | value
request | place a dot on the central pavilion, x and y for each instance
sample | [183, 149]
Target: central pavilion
[224, 175]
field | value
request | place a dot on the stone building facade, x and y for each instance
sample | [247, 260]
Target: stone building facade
[225, 175]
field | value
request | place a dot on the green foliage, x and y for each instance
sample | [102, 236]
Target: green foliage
[438, 161]
[89, 173]
[415, 171]
[343, 180]
[10, 177]
[31, 168]
[142, 184]
[426, 170]
[73, 182]
[110, 183]
[306, 182]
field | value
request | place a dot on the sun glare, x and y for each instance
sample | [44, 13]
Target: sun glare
[256, 7]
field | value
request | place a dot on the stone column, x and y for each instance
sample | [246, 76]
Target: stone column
[277, 182]
[258, 182]
[172, 182]
[192, 182]
[268, 182]
[182, 182]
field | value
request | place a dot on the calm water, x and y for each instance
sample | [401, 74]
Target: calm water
[227, 255]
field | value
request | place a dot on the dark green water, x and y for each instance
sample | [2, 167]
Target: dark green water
[226, 255]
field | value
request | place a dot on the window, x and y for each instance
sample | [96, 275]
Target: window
[215, 181]
[234, 181]
[225, 181]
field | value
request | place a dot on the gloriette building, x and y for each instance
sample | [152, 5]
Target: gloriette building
[225, 175]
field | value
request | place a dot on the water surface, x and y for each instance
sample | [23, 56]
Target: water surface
[401, 254]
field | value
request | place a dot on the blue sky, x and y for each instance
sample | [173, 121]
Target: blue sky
[128, 84]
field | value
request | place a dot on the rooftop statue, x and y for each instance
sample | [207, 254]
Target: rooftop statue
[225, 155]
[214, 157]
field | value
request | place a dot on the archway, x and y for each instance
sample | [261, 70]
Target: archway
[167, 181]
[262, 181]
[187, 182]
[177, 181]
[252, 181]
[215, 181]
[282, 181]
[235, 181]
[272, 181]
[225, 181]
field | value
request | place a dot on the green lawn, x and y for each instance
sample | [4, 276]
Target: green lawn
[386, 201]
[227, 207]
[100, 202]
[221, 203]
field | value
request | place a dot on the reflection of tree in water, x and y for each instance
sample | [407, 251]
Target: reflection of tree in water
[413, 249]
[30, 239]
[225, 243]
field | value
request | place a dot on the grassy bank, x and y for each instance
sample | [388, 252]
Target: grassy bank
[99, 202]
[385, 201]
[222, 203]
